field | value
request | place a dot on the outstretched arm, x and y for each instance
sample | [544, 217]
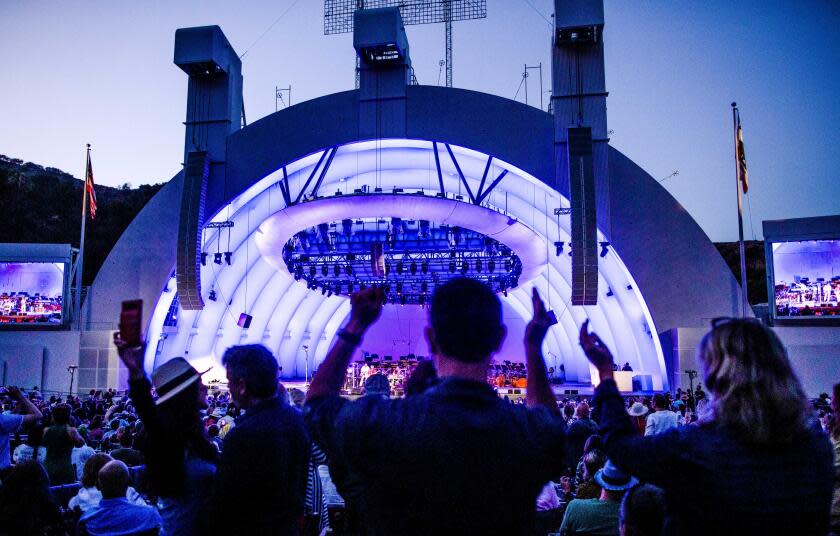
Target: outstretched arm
[366, 308]
[539, 391]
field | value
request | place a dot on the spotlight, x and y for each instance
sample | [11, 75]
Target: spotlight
[604, 250]
[412, 268]
[212, 295]
[203, 259]
[329, 292]
[312, 271]
[348, 270]
[217, 258]
[323, 290]
[336, 270]
[325, 270]
[324, 232]
[400, 267]
[558, 248]
[478, 266]
[228, 255]
[505, 292]
[465, 267]
[508, 265]
[399, 287]
[425, 267]
[491, 266]
[451, 267]
[424, 287]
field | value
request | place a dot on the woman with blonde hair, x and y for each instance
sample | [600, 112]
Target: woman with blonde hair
[755, 463]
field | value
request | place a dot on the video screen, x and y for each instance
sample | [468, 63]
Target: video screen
[807, 278]
[31, 293]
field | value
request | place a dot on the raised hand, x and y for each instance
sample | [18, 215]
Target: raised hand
[537, 328]
[132, 357]
[15, 393]
[596, 351]
[366, 308]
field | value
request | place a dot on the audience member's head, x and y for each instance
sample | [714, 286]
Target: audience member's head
[297, 398]
[113, 480]
[283, 393]
[754, 391]
[642, 511]
[614, 481]
[90, 473]
[465, 321]
[251, 373]
[593, 461]
[126, 439]
[569, 410]
[377, 385]
[593, 442]
[26, 504]
[213, 431]
[582, 410]
[659, 401]
[178, 383]
[61, 415]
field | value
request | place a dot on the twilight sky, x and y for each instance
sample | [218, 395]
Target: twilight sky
[101, 72]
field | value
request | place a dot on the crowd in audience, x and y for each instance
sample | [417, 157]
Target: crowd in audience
[751, 456]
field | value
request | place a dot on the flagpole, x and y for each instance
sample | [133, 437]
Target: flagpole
[82, 244]
[744, 298]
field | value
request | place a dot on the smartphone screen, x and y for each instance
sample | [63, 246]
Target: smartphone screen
[130, 318]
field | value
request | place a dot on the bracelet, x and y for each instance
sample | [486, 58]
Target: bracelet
[353, 339]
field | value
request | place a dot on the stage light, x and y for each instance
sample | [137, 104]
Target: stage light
[424, 287]
[203, 259]
[507, 265]
[323, 290]
[610, 292]
[387, 268]
[491, 266]
[399, 287]
[400, 267]
[312, 271]
[329, 292]
[212, 295]
[228, 255]
[217, 258]
[402, 299]
[451, 267]
[425, 267]
[336, 270]
[348, 270]
[324, 232]
[558, 248]
[478, 266]
[412, 268]
[465, 267]
[604, 250]
[325, 270]
[422, 299]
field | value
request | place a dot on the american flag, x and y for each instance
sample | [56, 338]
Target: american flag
[742, 156]
[89, 186]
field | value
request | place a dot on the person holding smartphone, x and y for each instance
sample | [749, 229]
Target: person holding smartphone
[27, 415]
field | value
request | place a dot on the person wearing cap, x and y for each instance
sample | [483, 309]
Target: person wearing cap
[261, 484]
[180, 458]
[454, 458]
[599, 516]
[638, 413]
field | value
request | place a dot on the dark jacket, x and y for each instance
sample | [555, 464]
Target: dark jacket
[579, 432]
[716, 483]
[455, 459]
[261, 482]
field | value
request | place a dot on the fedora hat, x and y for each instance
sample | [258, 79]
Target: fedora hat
[614, 479]
[637, 410]
[173, 377]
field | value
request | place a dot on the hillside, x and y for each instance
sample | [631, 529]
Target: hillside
[43, 205]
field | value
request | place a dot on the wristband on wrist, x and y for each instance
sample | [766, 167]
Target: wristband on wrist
[354, 339]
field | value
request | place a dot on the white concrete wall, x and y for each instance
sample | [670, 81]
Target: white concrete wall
[39, 358]
[814, 353]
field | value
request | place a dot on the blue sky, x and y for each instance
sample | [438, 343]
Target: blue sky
[101, 72]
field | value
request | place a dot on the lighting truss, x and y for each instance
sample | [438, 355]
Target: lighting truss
[338, 14]
[336, 258]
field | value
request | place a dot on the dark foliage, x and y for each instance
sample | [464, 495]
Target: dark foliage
[43, 205]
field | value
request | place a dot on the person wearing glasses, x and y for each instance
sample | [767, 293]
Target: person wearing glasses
[756, 463]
